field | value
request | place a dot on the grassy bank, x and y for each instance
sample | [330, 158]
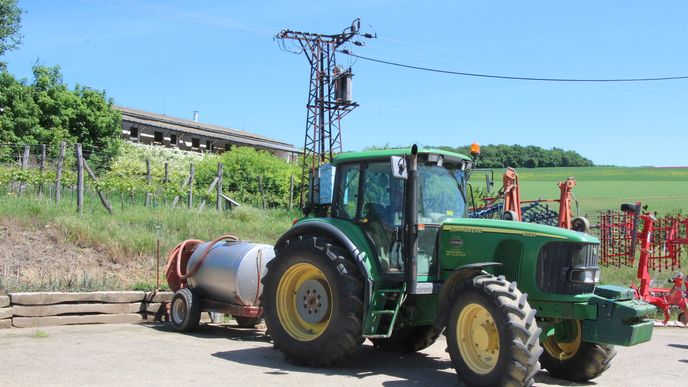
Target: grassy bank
[123, 242]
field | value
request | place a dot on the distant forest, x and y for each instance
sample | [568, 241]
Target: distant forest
[517, 156]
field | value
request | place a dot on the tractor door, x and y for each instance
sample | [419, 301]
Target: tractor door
[368, 195]
[381, 213]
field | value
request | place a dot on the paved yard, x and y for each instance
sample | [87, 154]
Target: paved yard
[225, 355]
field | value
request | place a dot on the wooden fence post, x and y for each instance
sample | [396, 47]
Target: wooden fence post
[184, 185]
[102, 197]
[218, 204]
[24, 166]
[165, 180]
[291, 192]
[210, 189]
[79, 179]
[262, 193]
[42, 169]
[192, 173]
[148, 183]
[58, 173]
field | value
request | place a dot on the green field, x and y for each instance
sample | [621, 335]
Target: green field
[597, 189]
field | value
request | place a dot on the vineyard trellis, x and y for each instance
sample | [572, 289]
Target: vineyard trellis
[64, 171]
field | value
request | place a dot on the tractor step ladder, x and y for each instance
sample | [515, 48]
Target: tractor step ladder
[373, 328]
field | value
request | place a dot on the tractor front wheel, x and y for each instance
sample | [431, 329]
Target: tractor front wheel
[492, 335]
[567, 356]
[313, 302]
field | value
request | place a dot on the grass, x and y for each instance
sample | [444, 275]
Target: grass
[663, 190]
[39, 334]
[128, 237]
[134, 231]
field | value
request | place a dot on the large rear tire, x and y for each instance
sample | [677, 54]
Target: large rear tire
[575, 359]
[185, 310]
[408, 339]
[492, 335]
[313, 302]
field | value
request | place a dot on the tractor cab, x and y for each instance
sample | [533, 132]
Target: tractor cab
[371, 191]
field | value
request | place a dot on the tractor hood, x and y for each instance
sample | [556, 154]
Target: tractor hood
[492, 226]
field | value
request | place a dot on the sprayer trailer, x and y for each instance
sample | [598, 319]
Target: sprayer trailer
[221, 276]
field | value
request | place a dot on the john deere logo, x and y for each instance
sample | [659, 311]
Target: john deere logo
[456, 242]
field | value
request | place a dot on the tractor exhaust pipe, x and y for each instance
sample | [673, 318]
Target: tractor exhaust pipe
[410, 220]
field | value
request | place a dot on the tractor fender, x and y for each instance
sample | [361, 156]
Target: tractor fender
[447, 291]
[329, 231]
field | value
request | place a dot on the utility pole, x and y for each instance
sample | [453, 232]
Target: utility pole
[329, 94]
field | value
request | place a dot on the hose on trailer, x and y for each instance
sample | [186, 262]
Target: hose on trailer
[179, 257]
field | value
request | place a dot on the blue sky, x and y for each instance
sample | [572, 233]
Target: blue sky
[218, 57]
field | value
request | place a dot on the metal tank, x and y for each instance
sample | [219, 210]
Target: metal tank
[231, 272]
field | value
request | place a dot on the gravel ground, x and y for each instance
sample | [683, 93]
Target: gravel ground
[226, 355]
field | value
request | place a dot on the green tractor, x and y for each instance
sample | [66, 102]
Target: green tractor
[387, 252]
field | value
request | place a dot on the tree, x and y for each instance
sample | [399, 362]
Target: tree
[10, 24]
[47, 112]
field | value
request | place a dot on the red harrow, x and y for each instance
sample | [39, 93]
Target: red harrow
[661, 243]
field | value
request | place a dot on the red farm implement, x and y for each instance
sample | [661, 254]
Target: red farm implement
[661, 243]
[509, 206]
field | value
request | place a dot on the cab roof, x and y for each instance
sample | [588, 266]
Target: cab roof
[385, 153]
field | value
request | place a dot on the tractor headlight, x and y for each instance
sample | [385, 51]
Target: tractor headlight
[584, 275]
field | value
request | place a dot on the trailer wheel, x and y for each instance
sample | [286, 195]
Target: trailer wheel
[185, 312]
[492, 335]
[247, 322]
[313, 302]
[575, 359]
[409, 339]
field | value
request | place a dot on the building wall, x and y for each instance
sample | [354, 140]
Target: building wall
[145, 134]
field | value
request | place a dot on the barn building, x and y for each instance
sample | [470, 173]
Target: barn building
[158, 129]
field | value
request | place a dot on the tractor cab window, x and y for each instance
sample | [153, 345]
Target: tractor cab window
[346, 197]
[441, 193]
[382, 213]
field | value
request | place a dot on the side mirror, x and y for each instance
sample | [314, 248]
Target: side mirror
[399, 170]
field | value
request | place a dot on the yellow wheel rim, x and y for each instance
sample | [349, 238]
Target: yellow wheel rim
[565, 350]
[478, 338]
[304, 302]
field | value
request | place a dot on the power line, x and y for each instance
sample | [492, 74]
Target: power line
[494, 76]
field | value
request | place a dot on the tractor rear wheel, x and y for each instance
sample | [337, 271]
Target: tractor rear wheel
[408, 339]
[313, 302]
[492, 335]
[572, 358]
[185, 311]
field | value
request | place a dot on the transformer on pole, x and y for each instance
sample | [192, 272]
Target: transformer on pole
[329, 94]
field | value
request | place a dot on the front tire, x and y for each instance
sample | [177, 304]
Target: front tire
[185, 313]
[492, 335]
[575, 359]
[313, 302]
